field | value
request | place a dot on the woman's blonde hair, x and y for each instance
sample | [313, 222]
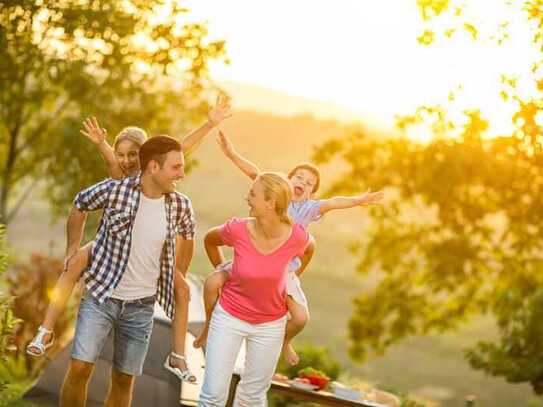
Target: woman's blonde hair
[134, 134]
[277, 187]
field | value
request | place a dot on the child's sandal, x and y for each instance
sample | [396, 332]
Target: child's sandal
[185, 375]
[37, 342]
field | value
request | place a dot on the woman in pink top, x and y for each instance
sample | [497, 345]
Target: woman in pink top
[252, 305]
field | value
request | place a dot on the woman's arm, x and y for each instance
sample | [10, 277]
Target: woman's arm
[212, 243]
[308, 255]
[346, 202]
[246, 166]
[98, 136]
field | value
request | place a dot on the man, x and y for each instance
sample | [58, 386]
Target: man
[132, 265]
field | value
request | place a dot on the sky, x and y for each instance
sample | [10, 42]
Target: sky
[363, 56]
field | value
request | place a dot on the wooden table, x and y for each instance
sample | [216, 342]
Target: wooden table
[320, 397]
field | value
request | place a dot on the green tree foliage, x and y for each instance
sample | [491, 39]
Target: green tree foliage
[459, 235]
[127, 62]
[7, 321]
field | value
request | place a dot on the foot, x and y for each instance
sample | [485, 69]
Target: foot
[178, 362]
[290, 354]
[42, 341]
[201, 340]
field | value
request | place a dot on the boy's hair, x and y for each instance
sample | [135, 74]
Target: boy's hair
[156, 149]
[312, 169]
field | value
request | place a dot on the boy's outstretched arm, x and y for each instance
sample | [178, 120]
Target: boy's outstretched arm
[346, 202]
[246, 166]
[97, 135]
[217, 114]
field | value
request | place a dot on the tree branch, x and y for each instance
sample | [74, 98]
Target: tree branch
[13, 212]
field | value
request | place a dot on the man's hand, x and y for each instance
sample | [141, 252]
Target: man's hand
[221, 110]
[93, 131]
[370, 198]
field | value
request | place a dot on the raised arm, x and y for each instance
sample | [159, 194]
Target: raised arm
[308, 255]
[346, 202]
[212, 243]
[246, 166]
[217, 114]
[92, 198]
[97, 135]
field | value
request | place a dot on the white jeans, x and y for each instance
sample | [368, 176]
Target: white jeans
[263, 347]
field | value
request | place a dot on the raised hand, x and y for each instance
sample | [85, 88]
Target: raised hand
[370, 198]
[93, 131]
[225, 144]
[221, 110]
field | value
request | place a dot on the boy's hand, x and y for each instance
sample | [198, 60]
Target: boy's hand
[370, 198]
[93, 131]
[221, 110]
[225, 144]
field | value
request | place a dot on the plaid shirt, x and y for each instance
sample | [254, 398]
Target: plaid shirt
[111, 249]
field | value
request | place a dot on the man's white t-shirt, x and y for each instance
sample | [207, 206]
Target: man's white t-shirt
[148, 235]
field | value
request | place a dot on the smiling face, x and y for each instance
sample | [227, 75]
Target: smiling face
[303, 183]
[126, 153]
[167, 174]
[256, 199]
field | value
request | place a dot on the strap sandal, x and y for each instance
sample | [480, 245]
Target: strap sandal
[37, 347]
[185, 375]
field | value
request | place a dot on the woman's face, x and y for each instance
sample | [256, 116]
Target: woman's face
[126, 153]
[258, 205]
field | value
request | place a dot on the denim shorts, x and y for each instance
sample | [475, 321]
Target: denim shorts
[132, 323]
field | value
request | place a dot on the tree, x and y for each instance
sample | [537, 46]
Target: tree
[459, 236]
[132, 62]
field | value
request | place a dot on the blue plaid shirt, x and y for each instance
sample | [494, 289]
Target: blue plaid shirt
[119, 200]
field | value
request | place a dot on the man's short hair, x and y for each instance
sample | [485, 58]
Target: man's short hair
[156, 149]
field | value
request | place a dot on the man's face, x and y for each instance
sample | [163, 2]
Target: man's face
[173, 170]
[303, 181]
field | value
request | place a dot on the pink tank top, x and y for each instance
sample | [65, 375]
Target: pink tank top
[256, 290]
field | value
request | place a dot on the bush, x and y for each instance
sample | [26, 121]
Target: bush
[316, 357]
[7, 320]
[31, 284]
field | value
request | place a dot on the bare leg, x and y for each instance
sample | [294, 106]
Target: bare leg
[298, 320]
[180, 322]
[120, 390]
[212, 288]
[63, 289]
[74, 388]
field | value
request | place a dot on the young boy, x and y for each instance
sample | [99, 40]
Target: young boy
[303, 209]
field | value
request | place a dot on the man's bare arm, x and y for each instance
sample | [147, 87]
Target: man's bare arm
[74, 231]
[183, 255]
